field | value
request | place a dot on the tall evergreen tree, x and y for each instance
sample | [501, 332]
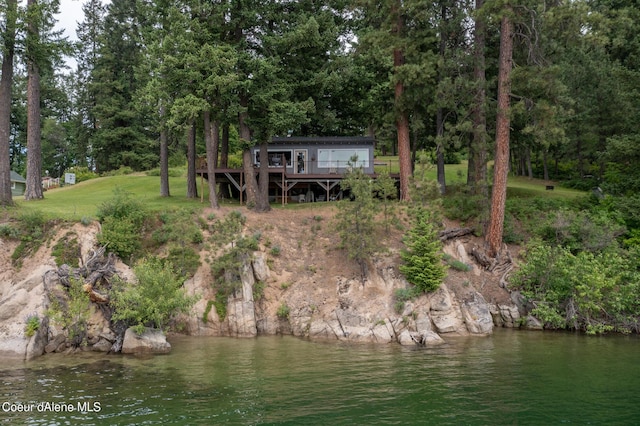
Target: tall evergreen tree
[90, 32]
[121, 138]
[501, 158]
[8, 38]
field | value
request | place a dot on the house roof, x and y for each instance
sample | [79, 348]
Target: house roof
[324, 140]
[17, 178]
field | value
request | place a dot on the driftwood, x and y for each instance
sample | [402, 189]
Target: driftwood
[95, 274]
[452, 233]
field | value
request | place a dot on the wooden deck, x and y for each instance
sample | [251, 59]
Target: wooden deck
[288, 186]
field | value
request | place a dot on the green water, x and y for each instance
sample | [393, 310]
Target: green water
[513, 377]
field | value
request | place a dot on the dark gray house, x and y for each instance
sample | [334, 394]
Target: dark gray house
[18, 184]
[303, 169]
[319, 155]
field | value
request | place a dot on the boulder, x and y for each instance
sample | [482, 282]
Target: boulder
[151, 341]
[477, 315]
[260, 267]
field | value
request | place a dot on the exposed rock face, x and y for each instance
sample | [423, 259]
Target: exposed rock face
[321, 304]
[19, 301]
[152, 341]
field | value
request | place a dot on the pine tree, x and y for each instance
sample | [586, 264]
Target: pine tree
[356, 224]
[422, 259]
[6, 82]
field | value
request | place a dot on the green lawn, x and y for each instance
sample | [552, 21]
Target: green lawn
[82, 200]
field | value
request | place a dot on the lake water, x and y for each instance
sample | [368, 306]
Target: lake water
[512, 377]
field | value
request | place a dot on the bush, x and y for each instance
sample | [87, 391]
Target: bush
[32, 325]
[122, 219]
[583, 291]
[122, 236]
[422, 259]
[72, 312]
[283, 311]
[155, 298]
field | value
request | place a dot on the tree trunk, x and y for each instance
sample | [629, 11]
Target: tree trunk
[247, 161]
[212, 136]
[6, 82]
[402, 119]
[262, 204]
[545, 166]
[477, 167]
[164, 160]
[440, 152]
[528, 160]
[34, 143]
[224, 149]
[501, 159]
[192, 185]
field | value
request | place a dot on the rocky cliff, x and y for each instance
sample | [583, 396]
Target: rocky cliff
[310, 290]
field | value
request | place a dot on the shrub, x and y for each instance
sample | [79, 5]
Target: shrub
[73, 312]
[32, 325]
[67, 250]
[122, 219]
[185, 260]
[122, 236]
[283, 311]
[422, 260]
[155, 298]
[585, 291]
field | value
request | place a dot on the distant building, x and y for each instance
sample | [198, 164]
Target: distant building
[18, 184]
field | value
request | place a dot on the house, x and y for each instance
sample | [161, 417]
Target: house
[303, 169]
[18, 184]
[319, 155]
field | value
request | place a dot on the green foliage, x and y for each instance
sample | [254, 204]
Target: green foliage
[275, 251]
[355, 218]
[32, 325]
[72, 312]
[122, 236]
[387, 192]
[456, 264]
[155, 298]
[584, 291]
[122, 205]
[207, 310]
[67, 250]
[122, 219]
[422, 259]
[184, 259]
[581, 230]
[226, 270]
[173, 172]
[32, 229]
[283, 311]
[403, 295]
[226, 230]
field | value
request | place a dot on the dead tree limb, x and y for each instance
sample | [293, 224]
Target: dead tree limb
[449, 234]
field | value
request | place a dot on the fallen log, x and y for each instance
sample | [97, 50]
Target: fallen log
[449, 234]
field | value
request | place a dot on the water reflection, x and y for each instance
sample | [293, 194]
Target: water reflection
[511, 377]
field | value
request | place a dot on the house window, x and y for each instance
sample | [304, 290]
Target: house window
[340, 158]
[277, 158]
[13, 185]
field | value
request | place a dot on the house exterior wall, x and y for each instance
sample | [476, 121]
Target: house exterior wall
[318, 156]
[18, 188]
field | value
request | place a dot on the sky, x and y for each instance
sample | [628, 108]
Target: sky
[70, 15]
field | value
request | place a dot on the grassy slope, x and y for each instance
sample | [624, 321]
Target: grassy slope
[83, 199]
